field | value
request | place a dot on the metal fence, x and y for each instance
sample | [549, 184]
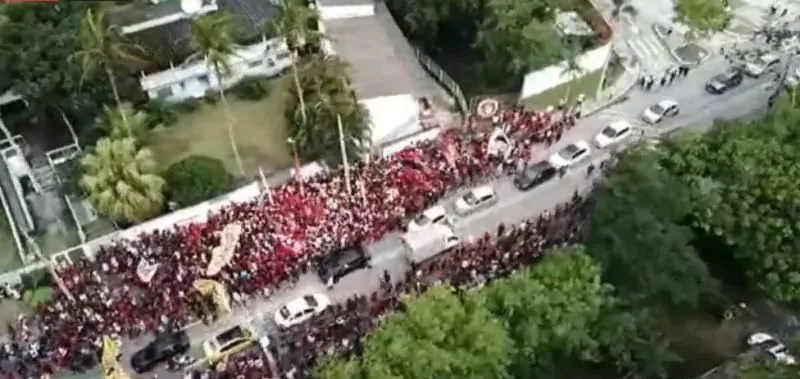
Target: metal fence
[445, 80]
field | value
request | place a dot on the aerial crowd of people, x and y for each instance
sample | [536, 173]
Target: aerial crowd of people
[284, 231]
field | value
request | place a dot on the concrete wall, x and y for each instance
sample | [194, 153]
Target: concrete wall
[553, 76]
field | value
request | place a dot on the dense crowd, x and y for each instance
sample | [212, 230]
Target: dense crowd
[342, 330]
[284, 231]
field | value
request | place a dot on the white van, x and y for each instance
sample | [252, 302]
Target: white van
[426, 243]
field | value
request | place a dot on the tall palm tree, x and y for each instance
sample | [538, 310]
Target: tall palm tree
[103, 48]
[123, 122]
[572, 66]
[293, 24]
[121, 181]
[212, 37]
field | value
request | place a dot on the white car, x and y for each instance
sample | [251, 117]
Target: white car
[761, 65]
[433, 215]
[570, 155]
[301, 309]
[770, 344]
[613, 133]
[476, 199]
[658, 111]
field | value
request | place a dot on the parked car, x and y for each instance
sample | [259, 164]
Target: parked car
[731, 78]
[613, 134]
[301, 310]
[338, 264]
[773, 347]
[229, 342]
[658, 111]
[432, 215]
[761, 65]
[534, 175]
[570, 155]
[162, 349]
[475, 200]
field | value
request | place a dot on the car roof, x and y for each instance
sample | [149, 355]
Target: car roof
[434, 211]
[231, 334]
[482, 191]
[299, 304]
[580, 144]
[619, 125]
[539, 166]
[769, 57]
[667, 102]
[342, 254]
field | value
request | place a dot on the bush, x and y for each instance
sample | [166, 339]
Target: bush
[197, 178]
[251, 89]
[188, 105]
[211, 97]
[38, 296]
[36, 278]
[160, 113]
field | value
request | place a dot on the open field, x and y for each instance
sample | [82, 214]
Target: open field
[259, 127]
[586, 84]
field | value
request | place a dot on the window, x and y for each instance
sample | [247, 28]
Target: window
[164, 92]
[284, 55]
[255, 64]
[203, 79]
[270, 63]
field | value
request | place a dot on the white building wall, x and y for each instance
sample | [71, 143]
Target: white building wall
[339, 12]
[549, 77]
[194, 78]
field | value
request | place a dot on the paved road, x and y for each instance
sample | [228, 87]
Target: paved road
[698, 110]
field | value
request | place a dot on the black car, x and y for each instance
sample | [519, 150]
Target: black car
[336, 265]
[163, 348]
[534, 175]
[725, 81]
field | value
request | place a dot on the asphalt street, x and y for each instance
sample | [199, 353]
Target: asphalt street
[698, 110]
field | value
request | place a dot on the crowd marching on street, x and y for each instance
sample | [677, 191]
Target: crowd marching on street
[283, 233]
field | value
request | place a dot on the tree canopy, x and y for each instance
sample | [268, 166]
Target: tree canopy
[197, 178]
[704, 15]
[325, 88]
[638, 236]
[744, 180]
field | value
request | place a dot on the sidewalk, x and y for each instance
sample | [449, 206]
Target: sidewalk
[611, 94]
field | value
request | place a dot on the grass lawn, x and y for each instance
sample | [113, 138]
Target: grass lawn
[586, 84]
[259, 127]
[9, 256]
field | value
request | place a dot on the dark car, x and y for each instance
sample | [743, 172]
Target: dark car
[163, 348]
[534, 175]
[725, 81]
[336, 265]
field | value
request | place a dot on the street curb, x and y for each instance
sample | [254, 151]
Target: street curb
[636, 70]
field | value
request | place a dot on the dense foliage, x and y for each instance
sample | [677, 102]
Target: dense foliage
[197, 178]
[524, 326]
[703, 16]
[326, 95]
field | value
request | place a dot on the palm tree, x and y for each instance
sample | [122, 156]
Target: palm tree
[572, 66]
[212, 37]
[123, 122]
[292, 23]
[623, 7]
[120, 180]
[103, 48]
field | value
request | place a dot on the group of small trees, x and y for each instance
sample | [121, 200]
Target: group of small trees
[528, 325]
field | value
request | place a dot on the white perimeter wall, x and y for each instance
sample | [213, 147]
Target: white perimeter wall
[537, 82]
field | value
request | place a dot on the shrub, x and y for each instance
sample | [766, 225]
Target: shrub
[38, 296]
[36, 278]
[188, 105]
[211, 97]
[251, 89]
[160, 113]
[197, 178]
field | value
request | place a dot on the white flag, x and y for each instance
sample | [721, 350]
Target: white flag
[146, 270]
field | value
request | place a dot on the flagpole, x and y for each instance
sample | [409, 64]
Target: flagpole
[267, 188]
[345, 163]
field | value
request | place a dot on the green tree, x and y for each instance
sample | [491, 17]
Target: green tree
[636, 234]
[703, 16]
[35, 41]
[438, 25]
[438, 336]
[339, 369]
[104, 48]
[212, 37]
[549, 310]
[761, 367]
[121, 181]
[517, 36]
[326, 90]
[123, 121]
[197, 178]
[744, 178]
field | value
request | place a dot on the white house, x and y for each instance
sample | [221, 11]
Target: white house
[163, 29]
